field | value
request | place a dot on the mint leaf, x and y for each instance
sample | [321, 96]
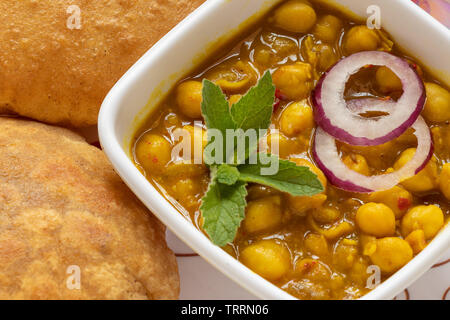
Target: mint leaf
[296, 180]
[223, 209]
[227, 174]
[216, 112]
[252, 113]
[215, 108]
[254, 109]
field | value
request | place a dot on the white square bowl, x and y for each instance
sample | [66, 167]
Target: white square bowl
[140, 90]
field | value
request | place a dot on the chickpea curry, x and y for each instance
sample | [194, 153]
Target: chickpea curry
[320, 246]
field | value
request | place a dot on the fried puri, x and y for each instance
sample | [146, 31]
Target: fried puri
[69, 227]
[60, 75]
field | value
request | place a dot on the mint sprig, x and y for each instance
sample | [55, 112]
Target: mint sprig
[223, 209]
[216, 112]
[290, 178]
[254, 109]
[228, 175]
[223, 206]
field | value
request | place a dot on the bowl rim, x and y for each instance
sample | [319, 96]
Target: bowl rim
[184, 229]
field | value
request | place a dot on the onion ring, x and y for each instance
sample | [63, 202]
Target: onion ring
[327, 158]
[331, 112]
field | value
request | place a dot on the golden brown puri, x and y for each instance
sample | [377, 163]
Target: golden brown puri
[57, 75]
[61, 204]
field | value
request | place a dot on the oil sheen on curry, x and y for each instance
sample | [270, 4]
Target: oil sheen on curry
[368, 120]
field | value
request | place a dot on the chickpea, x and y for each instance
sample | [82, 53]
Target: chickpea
[185, 186]
[326, 214]
[326, 56]
[391, 254]
[185, 191]
[425, 180]
[376, 219]
[274, 49]
[189, 98]
[258, 191]
[430, 219]
[336, 231]
[437, 106]
[263, 214]
[264, 57]
[153, 152]
[267, 258]
[327, 28]
[444, 180]
[441, 140]
[336, 282]
[182, 169]
[301, 204]
[361, 38]
[233, 75]
[294, 81]
[397, 198]
[234, 99]
[367, 244]
[199, 140]
[313, 269]
[286, 147]
[358, 273]
[295, 16]
[344, 256]
[316, 244]
[387, 80]
[358, 163]
[283, 46]
[416, 240]
[297, 118]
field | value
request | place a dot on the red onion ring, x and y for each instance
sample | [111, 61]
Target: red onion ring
[331, 112]
[327, 158]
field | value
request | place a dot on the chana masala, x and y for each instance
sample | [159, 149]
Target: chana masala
[328, 71]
